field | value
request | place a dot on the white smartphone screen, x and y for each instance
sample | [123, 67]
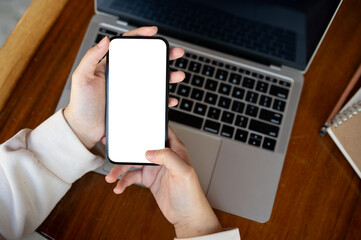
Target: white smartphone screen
[137, 98]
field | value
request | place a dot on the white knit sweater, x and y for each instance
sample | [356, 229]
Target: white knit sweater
[37, 168]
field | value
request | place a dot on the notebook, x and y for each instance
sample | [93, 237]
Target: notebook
[244, 63]
[345, 131]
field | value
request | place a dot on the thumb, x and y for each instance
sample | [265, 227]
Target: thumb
[170, 159]
[92, 57]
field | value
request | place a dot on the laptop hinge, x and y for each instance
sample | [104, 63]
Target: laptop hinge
[278, 68]
[121, 22]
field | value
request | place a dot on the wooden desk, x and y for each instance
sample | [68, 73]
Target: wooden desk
[319, 195]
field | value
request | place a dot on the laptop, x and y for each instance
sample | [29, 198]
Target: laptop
[244, 63]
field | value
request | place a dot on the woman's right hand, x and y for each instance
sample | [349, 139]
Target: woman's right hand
[175, 187]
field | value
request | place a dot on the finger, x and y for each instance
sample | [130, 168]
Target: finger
[175, 52]
[142, 31]
[173, 140]
[178, 146]
[90, 60]
[169, 159]
[172, 102]
[102, 66]
[128, 179]
[176, 77]
[104, 140]
[116, 171]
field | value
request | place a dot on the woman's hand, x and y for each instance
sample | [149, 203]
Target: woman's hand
[175, 187]
[86, 110]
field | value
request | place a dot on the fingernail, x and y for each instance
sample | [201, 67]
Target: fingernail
[107, 178]
[150, 154]
[102, 42]
[116, 191]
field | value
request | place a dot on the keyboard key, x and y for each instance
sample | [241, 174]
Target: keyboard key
[181, 63]
[251, 110]
[241, 121]
[171, 62]
[194, 67]
[248, 82]
[208, 70]
[279, 92]
[216, 63]
[185, 118]
[269, 144]
[271, 79]
[211, 98]
[279, 105]
[107, 31]
[224, 89]
[265, 101]
[211, 85]
[227, 131]
[227, 117]
[255, 140]
[264, 128]
[204, 59]
[270, 116]
[252, 97]
[197, 80]
[211, 126]
[190, 55]
[214, 113]
[172, 69]
[197, 94]
[186, 105]
[241, 70]
[262, 86]
[241, 135]
[238, 93]
[172, 87]
[230, 67]
[183, 90]
[99, 38]
[235, 78]
[200, 109]
[284, 83]
[187, 78]
[257, 75]
[221, 74]
[224, 102]
[238, 106]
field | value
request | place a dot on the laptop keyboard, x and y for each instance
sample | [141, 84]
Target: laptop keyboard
[225, 100]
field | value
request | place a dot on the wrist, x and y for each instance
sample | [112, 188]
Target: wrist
[77, 129]
[195, 226]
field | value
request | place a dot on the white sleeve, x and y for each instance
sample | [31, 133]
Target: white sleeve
[37, 168]
[226, 234]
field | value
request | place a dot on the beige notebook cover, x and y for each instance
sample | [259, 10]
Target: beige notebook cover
[345, 131]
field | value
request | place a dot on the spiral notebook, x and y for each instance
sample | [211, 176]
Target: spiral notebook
[345, 131]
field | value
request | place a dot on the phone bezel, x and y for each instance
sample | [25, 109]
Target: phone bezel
[166, 100]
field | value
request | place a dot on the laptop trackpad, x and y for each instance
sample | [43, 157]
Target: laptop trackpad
[203, 150]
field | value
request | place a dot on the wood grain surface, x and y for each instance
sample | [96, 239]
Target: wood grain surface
[319, 195]
[24, 40]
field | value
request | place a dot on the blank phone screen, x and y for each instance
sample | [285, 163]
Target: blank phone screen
[137, 80]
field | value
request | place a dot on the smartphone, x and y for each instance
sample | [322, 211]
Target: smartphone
[137, 98]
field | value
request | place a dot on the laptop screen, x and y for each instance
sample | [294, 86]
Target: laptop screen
[278, 32]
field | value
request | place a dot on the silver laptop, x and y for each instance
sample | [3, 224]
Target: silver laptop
[244, 63]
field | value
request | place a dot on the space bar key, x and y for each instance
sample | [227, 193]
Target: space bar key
[185, 118]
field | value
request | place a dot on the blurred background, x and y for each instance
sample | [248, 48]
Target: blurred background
[10, 13]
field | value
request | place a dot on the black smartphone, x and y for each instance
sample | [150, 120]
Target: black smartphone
[137, 98]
